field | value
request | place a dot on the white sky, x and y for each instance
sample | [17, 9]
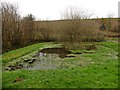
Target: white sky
[52, 9]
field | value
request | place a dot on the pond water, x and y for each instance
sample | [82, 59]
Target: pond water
[62, 52]
[48, 58]
[45, 61]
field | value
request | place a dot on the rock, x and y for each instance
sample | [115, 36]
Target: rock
[31, 61]
[92, 62]
[70, 55]
[26, 60]
[8, 68]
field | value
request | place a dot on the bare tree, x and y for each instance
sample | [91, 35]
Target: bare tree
[76, 13]
[10, 18]
[75, 24]
[109, 21]
[27, 27]
[110, 15]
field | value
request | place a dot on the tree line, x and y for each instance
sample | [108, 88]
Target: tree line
[16, 31]
[20, 31]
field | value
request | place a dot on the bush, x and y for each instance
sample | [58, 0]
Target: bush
[84, 30]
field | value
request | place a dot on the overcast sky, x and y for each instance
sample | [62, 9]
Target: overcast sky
[52, 9]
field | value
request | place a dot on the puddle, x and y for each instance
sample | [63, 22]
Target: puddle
[45, 59]
[48, 58]
[62, 52]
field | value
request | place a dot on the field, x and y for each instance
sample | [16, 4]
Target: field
[74, 51]
[83, 67]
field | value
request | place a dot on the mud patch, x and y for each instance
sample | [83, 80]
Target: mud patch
[18, 80]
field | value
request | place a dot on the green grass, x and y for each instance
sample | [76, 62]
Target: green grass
[10, 56]
[86, 77]
[97, 70]
[112, 45]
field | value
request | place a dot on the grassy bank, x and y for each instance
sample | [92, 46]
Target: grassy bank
[9, 56]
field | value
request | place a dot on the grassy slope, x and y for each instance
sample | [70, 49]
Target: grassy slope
[102, 72]
[10, 56]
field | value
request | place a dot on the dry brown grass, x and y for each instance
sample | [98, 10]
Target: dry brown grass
[69, 30]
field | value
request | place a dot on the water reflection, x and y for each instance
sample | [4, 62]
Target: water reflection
[45, 61]
[49, 58]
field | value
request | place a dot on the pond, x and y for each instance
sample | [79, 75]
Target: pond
[48, 58]
[62, 52]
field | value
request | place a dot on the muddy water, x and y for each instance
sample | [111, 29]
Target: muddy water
[49, 58]
[62, 52]
[45, 59]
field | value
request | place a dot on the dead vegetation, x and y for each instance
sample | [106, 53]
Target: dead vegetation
[76, 26]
